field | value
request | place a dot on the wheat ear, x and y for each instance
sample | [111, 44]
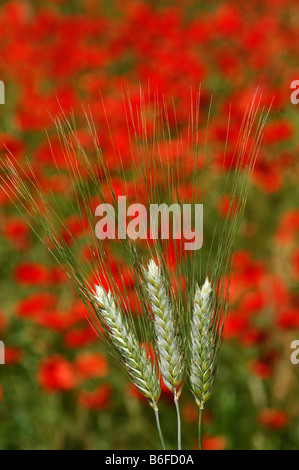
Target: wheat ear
[136, 360]
[170, 357]
[202, 345]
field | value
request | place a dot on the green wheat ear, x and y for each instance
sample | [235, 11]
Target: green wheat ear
[168, 343]
[170, 357]
[202, 345]
[135, 359]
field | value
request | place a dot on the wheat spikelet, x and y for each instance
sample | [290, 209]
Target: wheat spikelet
[202, 345]
[170, 357]
[135, 358]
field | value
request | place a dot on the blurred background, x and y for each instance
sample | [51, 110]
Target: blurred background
[59, 389]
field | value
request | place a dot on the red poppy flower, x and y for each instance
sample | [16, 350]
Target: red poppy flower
[235, 324]
[31, 273]
[253, 302]
[54, 320]
[13, 355]
[225, 205]
[78, 312]
[36, 304]
[261, 368]
[75, 227]
[98, 399]
[80, 337]
[248, 271]
[268, 177]
[227, 21]
[16, 230]
[12, 145]
[253, 336]
[277, 132]
[56, 374]
[90, 365]
[214, 443]
[57, 276]
[288, 318]
[272, 418]
[288, 226]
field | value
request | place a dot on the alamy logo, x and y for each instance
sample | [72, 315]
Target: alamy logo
[295, 94]
[2, 92]
[158, 223]
[2, 353]
[295, 355]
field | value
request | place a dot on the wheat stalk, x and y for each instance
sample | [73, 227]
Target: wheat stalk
[170, 357]
[202, 345]
[171, 361]
[135, 358]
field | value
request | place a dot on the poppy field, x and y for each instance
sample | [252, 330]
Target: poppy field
[59, 387]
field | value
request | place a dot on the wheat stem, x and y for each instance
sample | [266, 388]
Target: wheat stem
[200, 429]
[156, 410]
[177, 406]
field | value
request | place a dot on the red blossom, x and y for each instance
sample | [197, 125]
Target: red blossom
[263, 367]
[253, 302]
[288, 226]
[57, 276]
[31, 274]
[12, 145]
[80, 337]
[74, 57]
[278, 132]
[89, 365]
[227, 21]
[99, 399]
[272, 418]
[13, 355]
[253, 336]
[54, 320]
[288, 318]
[36, 304]
[16, 230]
[74, 227]
[235, 324]
[214, 442]
[226, 206]
[56, 374]
[248, 271]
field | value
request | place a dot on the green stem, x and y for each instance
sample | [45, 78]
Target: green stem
[176, 401]
[200, 428]
[159, 427]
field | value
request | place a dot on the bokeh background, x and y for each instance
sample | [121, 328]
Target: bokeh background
[58, 388]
